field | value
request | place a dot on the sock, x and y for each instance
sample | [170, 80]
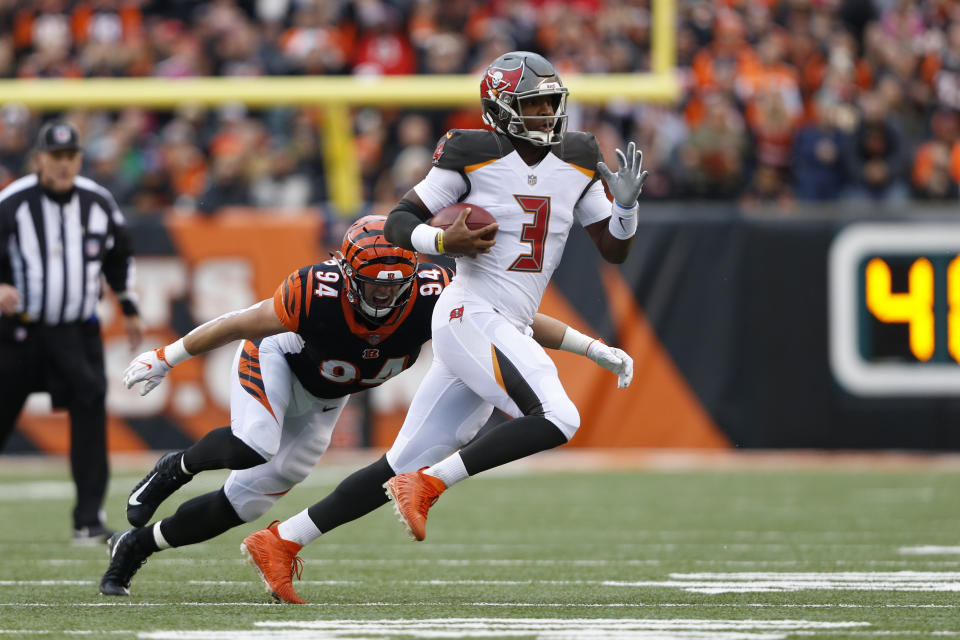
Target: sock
[450, 470]
[300, 529]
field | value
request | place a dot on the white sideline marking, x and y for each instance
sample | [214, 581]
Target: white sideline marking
[757, 582]
[545, 628]
[32, 491]
[708, 583]
[930, 550]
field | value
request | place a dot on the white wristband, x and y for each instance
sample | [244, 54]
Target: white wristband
[623, 222]
[176, 353]
[576, 342]
[424, 239]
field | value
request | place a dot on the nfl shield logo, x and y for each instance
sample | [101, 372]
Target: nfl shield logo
[531, 180]
[373, 338]
[92, 247]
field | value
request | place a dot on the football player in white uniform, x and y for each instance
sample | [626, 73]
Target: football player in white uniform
[536, 179]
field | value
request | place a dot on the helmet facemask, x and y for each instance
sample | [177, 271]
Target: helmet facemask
[378, 277]
[377, 298]
[509, 118]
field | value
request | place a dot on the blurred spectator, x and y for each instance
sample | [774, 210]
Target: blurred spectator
[819, 169]
[227, 186]
[877, 154]
[931, 177]
[282, 185]
[713, 156]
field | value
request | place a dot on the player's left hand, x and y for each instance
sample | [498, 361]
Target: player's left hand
[147, 368]
[613, 359]
[627, 182]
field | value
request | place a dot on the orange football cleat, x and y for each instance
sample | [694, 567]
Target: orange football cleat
[413, 494]
[276, 560]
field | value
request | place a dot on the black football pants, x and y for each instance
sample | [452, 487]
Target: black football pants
[67, 361]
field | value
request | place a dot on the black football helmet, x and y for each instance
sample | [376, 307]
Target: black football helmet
[513, 77]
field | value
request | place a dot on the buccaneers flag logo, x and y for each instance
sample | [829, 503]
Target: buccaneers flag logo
[497, 80]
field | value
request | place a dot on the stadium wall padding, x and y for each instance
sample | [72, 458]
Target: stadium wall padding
[725, 317]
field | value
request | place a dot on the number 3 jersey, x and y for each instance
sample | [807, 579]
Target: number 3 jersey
[534, 206]
[341, 354]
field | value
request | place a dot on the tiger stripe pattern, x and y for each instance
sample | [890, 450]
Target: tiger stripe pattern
[251, 378]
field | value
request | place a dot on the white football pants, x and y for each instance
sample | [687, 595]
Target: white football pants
[481, 360]
[274, 415]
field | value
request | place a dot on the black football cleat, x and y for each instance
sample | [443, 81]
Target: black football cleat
[165, 478]
[126, 557]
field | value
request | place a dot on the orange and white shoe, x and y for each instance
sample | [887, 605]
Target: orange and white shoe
[276, 560]
[413, 494]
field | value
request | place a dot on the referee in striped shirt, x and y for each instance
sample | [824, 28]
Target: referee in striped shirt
[58, 233]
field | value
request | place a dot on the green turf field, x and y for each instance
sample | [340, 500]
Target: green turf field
[725, 555]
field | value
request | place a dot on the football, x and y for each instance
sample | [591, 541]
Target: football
[478, 217]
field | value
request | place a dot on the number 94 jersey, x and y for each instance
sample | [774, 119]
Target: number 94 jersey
[341, 353]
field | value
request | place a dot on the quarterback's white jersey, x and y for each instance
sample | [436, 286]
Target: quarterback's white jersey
[534, 207]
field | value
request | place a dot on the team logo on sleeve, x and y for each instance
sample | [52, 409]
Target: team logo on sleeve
[456, 313]
[440, 145]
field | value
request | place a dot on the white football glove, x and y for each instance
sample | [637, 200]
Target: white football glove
[627, 182]
[613, 359]
[148, 368]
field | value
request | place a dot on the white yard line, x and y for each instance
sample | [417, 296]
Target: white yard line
[930, 550]
[511, 605]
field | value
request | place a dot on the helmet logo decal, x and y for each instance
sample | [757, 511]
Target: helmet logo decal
[389, 275]
[499, 80]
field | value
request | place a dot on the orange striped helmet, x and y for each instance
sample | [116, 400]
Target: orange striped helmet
[378, 275]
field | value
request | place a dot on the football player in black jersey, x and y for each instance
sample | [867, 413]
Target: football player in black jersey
[331, 329]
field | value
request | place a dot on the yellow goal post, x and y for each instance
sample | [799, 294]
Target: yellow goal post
[337, 94]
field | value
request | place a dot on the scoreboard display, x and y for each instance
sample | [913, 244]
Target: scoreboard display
[894, 305]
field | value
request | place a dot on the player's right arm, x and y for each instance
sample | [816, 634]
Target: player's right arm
[406, 227]
[252, 323]
[445, 184]
[284, 312]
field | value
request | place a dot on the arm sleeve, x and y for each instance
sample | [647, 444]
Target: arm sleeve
[402, 220]
[118, 263]
[593, 206]
[291, 301]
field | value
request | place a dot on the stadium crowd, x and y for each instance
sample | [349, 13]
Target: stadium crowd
[783, 101]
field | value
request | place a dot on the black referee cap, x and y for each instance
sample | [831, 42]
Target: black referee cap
[58, 136]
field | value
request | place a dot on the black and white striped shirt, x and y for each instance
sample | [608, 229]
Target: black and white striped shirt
[53, 250]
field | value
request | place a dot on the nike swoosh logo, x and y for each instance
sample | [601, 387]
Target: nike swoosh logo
[622, 226]
[133, 501]
[325, 409]
[150, 366]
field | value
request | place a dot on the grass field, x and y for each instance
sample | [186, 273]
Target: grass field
[727, 552]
